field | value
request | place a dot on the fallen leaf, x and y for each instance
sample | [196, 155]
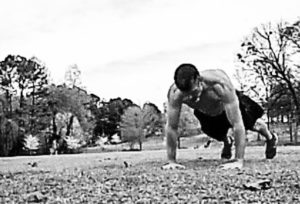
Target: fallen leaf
[35, 197]
[126, 164]
[258, 185]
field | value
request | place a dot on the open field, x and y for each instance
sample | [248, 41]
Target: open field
[136, 177]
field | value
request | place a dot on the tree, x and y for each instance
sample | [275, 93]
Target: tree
[151, 117]
[109, 116]
[292, 33]
[73, 77]
[8, 76]
[24, 80]
[74, 104]
[256, 87]
[132, 126]
[251, 84]
[37, 91]
[269, 54]
[8, 131]
[281, 106]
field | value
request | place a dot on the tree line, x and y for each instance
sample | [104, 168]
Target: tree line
[35, 113]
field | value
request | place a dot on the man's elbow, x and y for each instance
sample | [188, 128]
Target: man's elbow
[239, 130]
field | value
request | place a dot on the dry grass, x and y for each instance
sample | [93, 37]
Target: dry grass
[136, 177]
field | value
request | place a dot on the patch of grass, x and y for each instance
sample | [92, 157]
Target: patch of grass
[136, 177]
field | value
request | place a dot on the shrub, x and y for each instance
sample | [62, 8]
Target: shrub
[73, 144]
[31, 144]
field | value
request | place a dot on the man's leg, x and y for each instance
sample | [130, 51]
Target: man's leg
[227, 148]
[217, 128]
[271, 139]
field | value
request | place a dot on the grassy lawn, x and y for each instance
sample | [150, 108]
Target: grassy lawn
[136, 177]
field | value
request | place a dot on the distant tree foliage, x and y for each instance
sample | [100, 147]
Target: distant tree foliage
[109, 116]
[8, 76]
[136, 123]
[8, 131]
[25, 80]
[33, 106]
[132, 126]
[151, 117]
[75, 104]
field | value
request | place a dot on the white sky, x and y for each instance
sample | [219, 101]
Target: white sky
[130, 48]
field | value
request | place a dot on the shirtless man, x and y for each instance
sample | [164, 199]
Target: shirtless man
[219, 107]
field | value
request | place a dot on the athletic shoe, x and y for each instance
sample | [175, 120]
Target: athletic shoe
[227, 149]
[271, 147]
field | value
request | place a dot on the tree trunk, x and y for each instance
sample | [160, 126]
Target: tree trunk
[9, 101]
[296, 131]
[69, 126]
[141, 145]
[54, 130]
[297, 105]
[22, 98]
[290, 121]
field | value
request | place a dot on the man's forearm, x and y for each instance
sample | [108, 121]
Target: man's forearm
[171, 145]
[240, 142]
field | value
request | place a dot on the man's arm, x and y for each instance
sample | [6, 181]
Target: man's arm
[233, 113]
[235, 118]
[173, 115]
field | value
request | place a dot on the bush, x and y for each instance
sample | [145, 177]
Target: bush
[31, 144]
[73, 144]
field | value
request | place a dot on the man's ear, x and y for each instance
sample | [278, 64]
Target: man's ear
[200, 78]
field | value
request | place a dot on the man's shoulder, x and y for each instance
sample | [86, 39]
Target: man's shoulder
[215, 73]
[174, 93]
[217, 77]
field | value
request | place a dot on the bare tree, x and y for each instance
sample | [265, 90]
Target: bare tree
[270, 55]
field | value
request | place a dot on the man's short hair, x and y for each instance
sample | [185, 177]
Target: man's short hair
[184, 75]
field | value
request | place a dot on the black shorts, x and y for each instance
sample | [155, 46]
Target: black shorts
[218, 126]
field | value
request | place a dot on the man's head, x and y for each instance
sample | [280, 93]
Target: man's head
[185, 77]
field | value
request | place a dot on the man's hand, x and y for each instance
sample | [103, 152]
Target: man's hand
[171, 166]
[235, 164]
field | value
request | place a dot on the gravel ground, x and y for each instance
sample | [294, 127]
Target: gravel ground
[136, 177]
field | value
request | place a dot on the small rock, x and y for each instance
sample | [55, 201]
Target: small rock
[126, 164]
[33, 164]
